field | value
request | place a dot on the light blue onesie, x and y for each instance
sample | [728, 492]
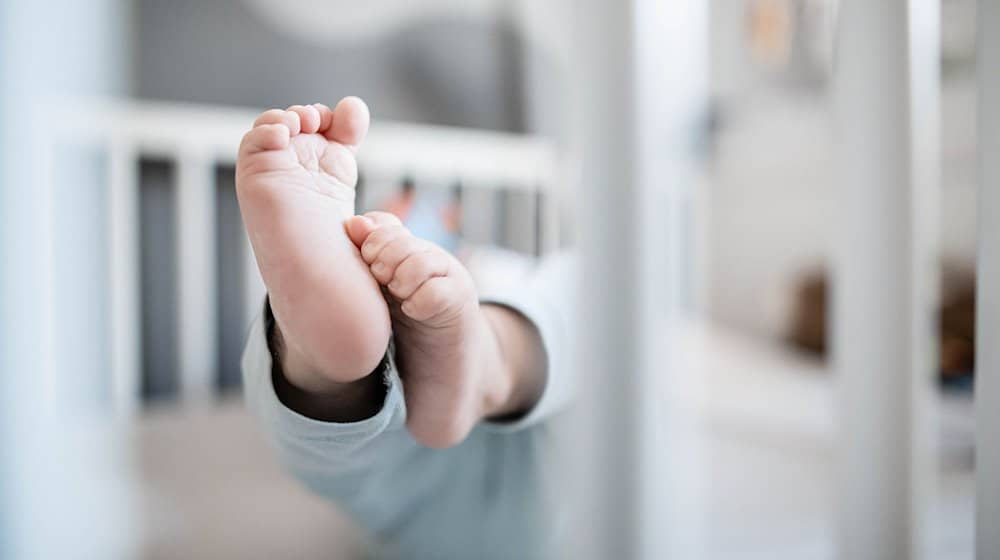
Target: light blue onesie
[484, 498]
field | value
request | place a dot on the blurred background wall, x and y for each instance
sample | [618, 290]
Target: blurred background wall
[450, 69]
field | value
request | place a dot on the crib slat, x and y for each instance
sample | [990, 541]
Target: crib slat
[123, 204]
[885, 92]
[196, 240]
[987, 295]
[636, 89]
[611, 277]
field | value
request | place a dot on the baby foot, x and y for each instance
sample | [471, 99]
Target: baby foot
[442, 337]
[295, 179]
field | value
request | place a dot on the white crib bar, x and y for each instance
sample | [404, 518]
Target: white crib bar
[196, 264]
[630, 123]
[123, 237]
[987, 294]
[608, 435]
[885, 95]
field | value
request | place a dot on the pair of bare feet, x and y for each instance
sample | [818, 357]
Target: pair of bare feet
[340, 285]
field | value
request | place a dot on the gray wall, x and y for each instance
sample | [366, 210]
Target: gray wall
[217, 51]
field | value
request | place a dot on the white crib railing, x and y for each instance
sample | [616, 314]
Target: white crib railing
[197, 139]
[885, 91]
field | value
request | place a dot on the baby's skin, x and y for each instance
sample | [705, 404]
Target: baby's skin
[339, 285]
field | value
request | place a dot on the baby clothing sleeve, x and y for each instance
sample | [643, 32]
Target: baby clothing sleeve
[547, 300]
[342, 461]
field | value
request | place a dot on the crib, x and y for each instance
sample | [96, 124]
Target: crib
[196, 141]
[886, 460]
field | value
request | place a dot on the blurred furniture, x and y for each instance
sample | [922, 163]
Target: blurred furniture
[956, 319]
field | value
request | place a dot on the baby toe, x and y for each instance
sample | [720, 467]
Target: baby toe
[359, 228]
[416, 269]
[277, 116]
[385, 264]
[309, 117]
[264, 138]
[350, 122]
[325, 117]
[384, 218]
[378, 240]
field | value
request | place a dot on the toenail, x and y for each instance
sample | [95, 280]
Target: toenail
[393, 285]
[378, 268]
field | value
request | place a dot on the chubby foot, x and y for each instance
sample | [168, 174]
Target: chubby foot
[295, 179]
[447, 346]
